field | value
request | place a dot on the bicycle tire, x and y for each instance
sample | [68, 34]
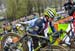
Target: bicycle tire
[11, 34]
[54, 48]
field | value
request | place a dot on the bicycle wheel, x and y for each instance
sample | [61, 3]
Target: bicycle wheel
[10, 42]
[54, 48]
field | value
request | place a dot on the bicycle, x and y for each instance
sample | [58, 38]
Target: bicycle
[28, 36]
[25, 38]
[15, 45]
[18, 44]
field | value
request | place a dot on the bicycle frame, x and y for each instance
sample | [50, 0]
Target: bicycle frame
[26, 35]
[41, 37]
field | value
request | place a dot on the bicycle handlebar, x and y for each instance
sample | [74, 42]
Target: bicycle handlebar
[61, 31]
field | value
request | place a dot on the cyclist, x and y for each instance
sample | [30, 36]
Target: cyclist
[51, 26]
[7, 28]
[34, 26]
[69, 6]
[48, 24]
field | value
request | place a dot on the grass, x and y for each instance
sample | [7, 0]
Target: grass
[1, 30]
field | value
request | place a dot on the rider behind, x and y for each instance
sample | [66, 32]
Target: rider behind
[70, 7]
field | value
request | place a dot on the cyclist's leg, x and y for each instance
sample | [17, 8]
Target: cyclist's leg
[30, 44]
[67, 40]
[35, 42]
[45, 32]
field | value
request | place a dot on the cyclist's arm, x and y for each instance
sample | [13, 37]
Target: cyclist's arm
[66, 19]
[28, 22]
[23, 22]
